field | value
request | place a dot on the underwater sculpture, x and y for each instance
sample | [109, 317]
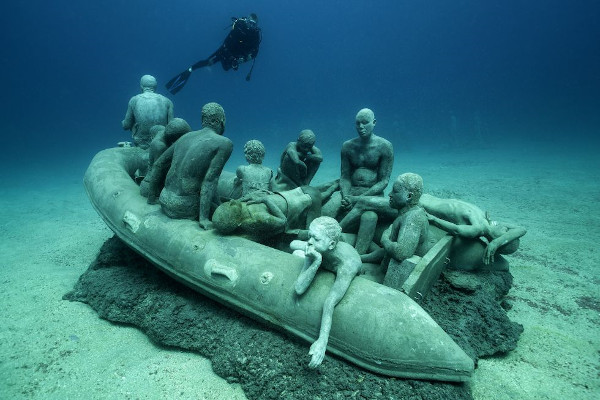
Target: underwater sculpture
[366, 165]
[262, 214]
[253, 176]
[165, 137]
[162, 138]
[299, 162]
[472, 225]
[478, 242]
[409, 233]
[146, 110]
[324, 248]
[375, 327]
[190, 169]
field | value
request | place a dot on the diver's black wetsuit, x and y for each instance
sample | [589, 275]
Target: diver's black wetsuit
[240, 45]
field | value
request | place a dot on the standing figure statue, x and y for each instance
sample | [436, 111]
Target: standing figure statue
[190, 170]
[325, 249]
[146, 110]
[299, 162]
[240, 45]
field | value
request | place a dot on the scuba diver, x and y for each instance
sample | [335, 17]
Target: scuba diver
[240, 45]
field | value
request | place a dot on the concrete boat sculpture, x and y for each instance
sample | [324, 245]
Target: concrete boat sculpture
[375, 327]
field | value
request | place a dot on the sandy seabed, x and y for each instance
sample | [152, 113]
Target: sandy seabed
[51, 348]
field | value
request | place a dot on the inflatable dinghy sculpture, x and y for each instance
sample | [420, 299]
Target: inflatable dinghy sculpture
[375, 327]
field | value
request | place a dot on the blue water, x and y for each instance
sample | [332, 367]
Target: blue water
[437, 73]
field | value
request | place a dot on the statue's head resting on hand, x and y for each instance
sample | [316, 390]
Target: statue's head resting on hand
[324, 233]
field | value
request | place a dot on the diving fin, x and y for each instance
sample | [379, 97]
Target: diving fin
[178, 82]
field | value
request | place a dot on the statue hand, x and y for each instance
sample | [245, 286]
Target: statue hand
[317, 351]
[312, 253]
[352, 200]
[346, 204]
[490, 252]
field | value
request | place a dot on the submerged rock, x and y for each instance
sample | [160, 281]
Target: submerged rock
[123, 287]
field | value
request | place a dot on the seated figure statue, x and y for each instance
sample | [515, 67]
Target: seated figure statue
[262, 215]
[140, 173]
[325, 249]
[165, 137]
[253, 176]
[190, 170]
[146, 110]
[409, 233]
[299, 162]
[366, 166]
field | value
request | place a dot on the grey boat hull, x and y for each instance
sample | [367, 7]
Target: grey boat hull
[375, 327]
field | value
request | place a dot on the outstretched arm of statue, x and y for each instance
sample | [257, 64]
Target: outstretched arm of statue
[513, 233]
[469, 231]
[343, 278]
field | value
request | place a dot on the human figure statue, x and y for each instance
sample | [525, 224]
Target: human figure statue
[253, 176]
[240, 45]
[263, 215]
[366, 166]
[299, 162]
[325, 249]
[192, 166]
[409, 233]
[164, 137]
[477, 240]
[468, 221]
[157, 133]
[146, 110]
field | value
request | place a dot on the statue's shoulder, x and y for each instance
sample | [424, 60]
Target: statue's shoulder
[350, 144]
[382, 140]
[417, 214]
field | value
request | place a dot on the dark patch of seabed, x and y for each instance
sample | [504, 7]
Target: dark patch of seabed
[125, 288]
